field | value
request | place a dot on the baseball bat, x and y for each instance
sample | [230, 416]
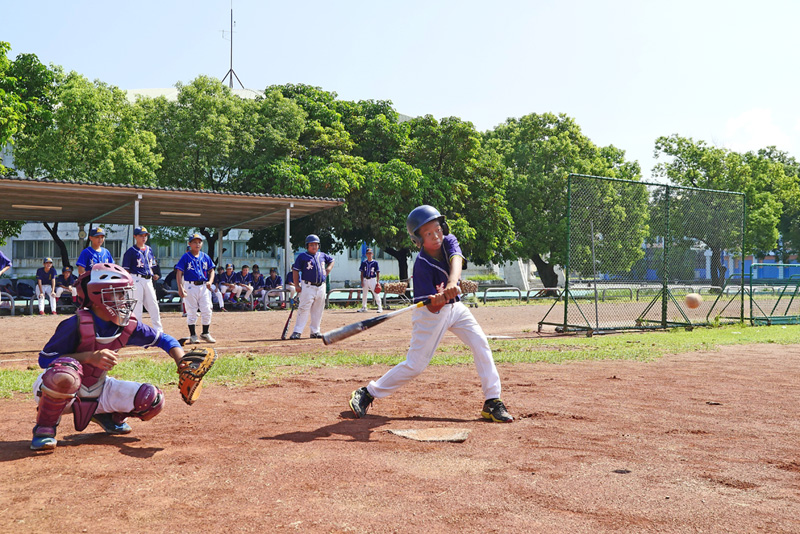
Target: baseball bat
[352, 329]
[288, 320]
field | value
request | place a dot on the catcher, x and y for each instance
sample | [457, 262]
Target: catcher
[84, 348]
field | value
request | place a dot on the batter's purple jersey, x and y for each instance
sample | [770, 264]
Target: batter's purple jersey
[430, 275]
[312, 268]
[195, 269]
[90, 256]
[369, 268]
[139, 261]
[67, 337]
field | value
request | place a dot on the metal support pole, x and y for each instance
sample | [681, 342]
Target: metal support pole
[136, 211]
[219, 245]
[287, 245]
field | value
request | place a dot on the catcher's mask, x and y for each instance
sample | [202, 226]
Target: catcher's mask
[422, 215]
[107, 287]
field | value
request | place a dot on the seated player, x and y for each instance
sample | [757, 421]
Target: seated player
[217, 296]
[227, 284]
[82, 351]
[258, 286]
[65, 282]
[272, 285]
[245, 282]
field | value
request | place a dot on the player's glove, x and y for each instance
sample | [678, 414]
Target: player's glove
[377, 288]
[191, 369]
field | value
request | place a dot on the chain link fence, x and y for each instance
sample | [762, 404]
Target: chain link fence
[636, 249]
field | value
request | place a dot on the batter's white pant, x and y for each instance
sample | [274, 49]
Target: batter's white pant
[60, 291]
[369, 285]
[146, 297]
[426, 332]
[312, 302]
[197, 297]
[48, 293]
[117, 395]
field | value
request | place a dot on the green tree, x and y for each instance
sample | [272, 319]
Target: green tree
[788, 191]
[541, 151]
[695, 164]
[94, 136]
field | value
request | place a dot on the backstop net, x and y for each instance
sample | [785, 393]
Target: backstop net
[636, 249]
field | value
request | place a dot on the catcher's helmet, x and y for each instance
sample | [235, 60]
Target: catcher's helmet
[312, 238]
[420, 216]
[109, 287]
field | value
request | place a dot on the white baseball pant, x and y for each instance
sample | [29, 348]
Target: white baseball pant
[47, 292]
[369, 285]
[60, 290]
[426, 333]
[117, 395]
[197, 297]
[146, 298]
[312, 302]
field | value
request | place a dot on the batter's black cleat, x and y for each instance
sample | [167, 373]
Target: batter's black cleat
[360, 401]
[495, 410]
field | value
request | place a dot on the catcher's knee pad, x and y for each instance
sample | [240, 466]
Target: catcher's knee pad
[60, 384]
[148, 402]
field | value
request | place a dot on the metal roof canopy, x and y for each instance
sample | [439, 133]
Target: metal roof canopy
[29, 199]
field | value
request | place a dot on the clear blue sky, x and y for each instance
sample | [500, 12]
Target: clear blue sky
[626, 71]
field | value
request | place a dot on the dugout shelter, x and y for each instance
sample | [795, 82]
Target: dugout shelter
[41, 199]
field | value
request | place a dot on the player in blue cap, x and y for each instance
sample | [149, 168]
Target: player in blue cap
[139, 262]
[310, 270]
[437, 271]
[195, 276]
[95, 252]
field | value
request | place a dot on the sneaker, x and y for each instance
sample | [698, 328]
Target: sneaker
[495, 410]
[360, 400]
[380, 310]
[315, 335]
[44, 441]
[193, 339]
[207, 338]
[295, 335]
[283, 305]
[106, 420]
[54, 313]
[361, 310]
[41, 313]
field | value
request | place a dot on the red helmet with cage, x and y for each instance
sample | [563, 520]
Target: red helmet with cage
[108, 289]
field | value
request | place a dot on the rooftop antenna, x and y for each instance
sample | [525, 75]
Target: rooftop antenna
[231, 73]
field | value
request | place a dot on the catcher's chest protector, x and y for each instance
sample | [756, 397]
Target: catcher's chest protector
[94, 378]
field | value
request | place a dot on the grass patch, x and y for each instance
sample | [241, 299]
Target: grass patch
[235, 370]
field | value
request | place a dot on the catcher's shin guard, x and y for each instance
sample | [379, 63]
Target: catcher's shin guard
[60, 384]
[148, 402]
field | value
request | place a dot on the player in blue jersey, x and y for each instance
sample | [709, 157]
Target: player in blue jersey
[95, 252]
[46, 285]
[370, 282]
[245, 283]
[273, 284]
[195, 275]
[437, 271]
[139, 262]
[66, 282]
[83, 350]
[310, 270]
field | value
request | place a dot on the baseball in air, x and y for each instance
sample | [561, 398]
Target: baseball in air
[693, 300]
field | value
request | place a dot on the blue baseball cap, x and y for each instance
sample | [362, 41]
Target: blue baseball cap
[66, 268]
[140, 230]
[48, 260]
[96, 232]
[228, 266]
[196, 236]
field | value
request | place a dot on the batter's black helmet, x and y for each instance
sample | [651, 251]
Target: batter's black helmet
[420, 216]
[312, 238]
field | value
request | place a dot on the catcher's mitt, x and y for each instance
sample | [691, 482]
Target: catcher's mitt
[192, 368]
[377, 288]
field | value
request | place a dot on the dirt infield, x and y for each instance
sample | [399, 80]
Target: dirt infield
[700, 442]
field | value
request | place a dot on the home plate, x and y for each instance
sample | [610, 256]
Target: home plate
[456, 435]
